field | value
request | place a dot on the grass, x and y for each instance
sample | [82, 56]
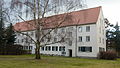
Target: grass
[28, 61]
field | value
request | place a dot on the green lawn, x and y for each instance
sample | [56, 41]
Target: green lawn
[28, 61]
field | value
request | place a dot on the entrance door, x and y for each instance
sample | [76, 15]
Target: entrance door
[70, 53]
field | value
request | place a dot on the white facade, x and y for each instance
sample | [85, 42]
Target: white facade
[80, 40]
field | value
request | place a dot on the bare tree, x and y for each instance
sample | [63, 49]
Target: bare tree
[38, 10]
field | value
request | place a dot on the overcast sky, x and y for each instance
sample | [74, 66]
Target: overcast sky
[111, 9]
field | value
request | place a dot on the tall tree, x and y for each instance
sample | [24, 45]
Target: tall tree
[10, 35]
[1, 24]
[38, 10]
[117, 37]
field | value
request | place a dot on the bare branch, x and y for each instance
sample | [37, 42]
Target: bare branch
[55, 27]
[27, 36]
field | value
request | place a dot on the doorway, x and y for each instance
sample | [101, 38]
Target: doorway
[70, 53]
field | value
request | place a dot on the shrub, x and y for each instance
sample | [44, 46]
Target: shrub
[12, 50]
[108, 55]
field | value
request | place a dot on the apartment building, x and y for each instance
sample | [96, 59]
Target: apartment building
[84, 35]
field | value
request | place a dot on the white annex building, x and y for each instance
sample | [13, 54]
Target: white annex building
[85, 35]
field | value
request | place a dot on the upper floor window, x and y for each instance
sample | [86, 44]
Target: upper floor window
[22, 40]
[80, 38]
[70, 34]
[32, 33]
[100, 40]
[87, 38]
[87, 28]
[18, 34]
[63, 30]
[70, 28]
[103, 40]
[18, 40]
[70, 43]
[80, 29]
[55, 30]
[55, 39]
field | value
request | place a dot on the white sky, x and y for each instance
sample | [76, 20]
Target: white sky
[111, 9]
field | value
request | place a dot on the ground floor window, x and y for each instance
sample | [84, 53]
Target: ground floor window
[85, 49]
[101, 49]
[62, 48]
[27, 47]
[53, 48]
[42, 48]
[48, 48]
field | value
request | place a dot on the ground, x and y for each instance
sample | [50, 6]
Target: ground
[28, 61]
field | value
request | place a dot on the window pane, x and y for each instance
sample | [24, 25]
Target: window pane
[87, 28]
[60, 48]
[85, 49]
[87, 38]
[80, 38]
[53, 48]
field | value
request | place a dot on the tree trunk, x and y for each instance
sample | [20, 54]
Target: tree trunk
[37, 52]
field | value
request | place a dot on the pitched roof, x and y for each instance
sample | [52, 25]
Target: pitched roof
[86, 16]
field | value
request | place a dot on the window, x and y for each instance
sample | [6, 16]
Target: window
[42, 48]
[87, 38]
[70, 28]
[103, 40]
[26, 47]
[18, 40]
[42, 40]
[53, 48]
[32, 33]
[87, 28]
[55, 39]
[70, 43]
[48, 39]
[55, 30]
[56, 48]
[62, 39]
[63, 48]
[100, 29]
[70, 34]
[49, 48]
[63, 30]
[100, 40]
[30, 47]
[31, 41]
[60, 48]
[22, 40]
[80, 29]
[80, 38]
[101, 49]
[46, 48]
[18, 34]
[85, 49]
[26, 40]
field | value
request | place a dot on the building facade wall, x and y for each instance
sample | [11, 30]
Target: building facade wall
[93, 40]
